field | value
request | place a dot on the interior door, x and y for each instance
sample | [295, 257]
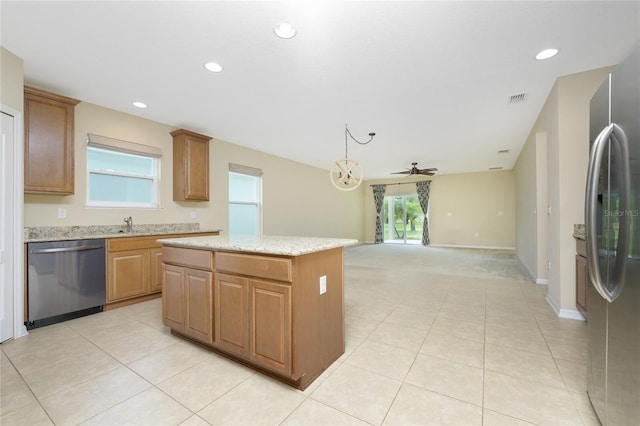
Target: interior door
[7, 188]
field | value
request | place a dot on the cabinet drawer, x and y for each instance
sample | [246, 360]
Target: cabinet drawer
[275, 268]
[191, 258]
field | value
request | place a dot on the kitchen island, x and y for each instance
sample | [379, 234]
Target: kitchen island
[273, 303]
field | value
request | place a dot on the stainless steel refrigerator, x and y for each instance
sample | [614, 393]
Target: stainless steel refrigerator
[612, 219]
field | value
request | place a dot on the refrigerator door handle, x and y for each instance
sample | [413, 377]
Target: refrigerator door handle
[621, 146]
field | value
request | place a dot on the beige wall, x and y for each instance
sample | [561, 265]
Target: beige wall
[463, 208]
[298, 199]
[526, 207]
[562, 130]
[531, 200]
[11, 80]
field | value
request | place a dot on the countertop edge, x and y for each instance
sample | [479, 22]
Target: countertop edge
[269, 245]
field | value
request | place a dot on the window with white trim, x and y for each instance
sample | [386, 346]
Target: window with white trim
[245, 200]
[122, 174]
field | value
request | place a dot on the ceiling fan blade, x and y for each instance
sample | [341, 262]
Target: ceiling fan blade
[426, 172]
[406, 172]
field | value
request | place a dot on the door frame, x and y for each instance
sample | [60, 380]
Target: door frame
[17, 239]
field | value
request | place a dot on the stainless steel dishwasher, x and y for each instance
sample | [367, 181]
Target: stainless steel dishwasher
[65, 280]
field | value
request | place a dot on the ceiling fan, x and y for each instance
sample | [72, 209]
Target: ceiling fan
[416, 171]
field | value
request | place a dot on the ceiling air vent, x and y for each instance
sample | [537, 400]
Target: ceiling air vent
[515, 99]
[495, 168]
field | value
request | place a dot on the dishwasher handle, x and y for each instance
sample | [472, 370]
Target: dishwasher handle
[66, 249]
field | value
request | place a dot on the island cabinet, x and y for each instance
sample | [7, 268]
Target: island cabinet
[188, 285]
[232, 313]
[270, 312]
[253, 315]
[48, 142]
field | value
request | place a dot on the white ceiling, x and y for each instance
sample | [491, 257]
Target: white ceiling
[431, 79]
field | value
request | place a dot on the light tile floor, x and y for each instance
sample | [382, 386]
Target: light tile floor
[433, 336]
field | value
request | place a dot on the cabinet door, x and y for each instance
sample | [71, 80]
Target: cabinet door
[270, 325]
[156, 270]
[232, 314]
[127, 274]
[173, 297]
[48, 142]
[581, 284]
[199, 305]
[197, 170]
[190, 166]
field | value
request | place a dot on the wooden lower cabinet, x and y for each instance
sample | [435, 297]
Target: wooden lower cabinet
[134, 267]
[127, 274]
[173, 304]
[581, 277]
[253, 316]
[253, 320]
[270, 325]
[232, 314]
[199, 301]
[156, 269]
[189, 307]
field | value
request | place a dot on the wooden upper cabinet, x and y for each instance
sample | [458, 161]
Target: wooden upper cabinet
[48, 142]
[190, 166]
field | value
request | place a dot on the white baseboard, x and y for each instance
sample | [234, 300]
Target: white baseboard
[453, 246]
[575, 315]
[473, 247]
[564, 313]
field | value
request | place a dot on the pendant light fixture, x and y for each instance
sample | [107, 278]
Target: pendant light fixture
[346, 174]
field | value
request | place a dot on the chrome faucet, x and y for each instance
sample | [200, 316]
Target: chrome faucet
[129, 222]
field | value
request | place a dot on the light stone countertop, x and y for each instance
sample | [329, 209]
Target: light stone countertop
[62, 233]
[266, 244]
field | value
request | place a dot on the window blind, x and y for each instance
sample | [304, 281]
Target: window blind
[103, 142]
[245, 170]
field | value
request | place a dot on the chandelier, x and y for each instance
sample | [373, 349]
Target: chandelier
[346, 174]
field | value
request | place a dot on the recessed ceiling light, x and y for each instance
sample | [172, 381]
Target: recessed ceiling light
[285, 30]
[213, 67]
[139, 104]
[546, 54]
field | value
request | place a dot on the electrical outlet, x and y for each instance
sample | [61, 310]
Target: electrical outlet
[323, 284]
[194, 215]
[62, 213]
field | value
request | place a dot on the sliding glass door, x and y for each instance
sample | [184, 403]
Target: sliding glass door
[403, 219]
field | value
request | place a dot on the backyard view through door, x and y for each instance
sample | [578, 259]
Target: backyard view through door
[403, 219]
